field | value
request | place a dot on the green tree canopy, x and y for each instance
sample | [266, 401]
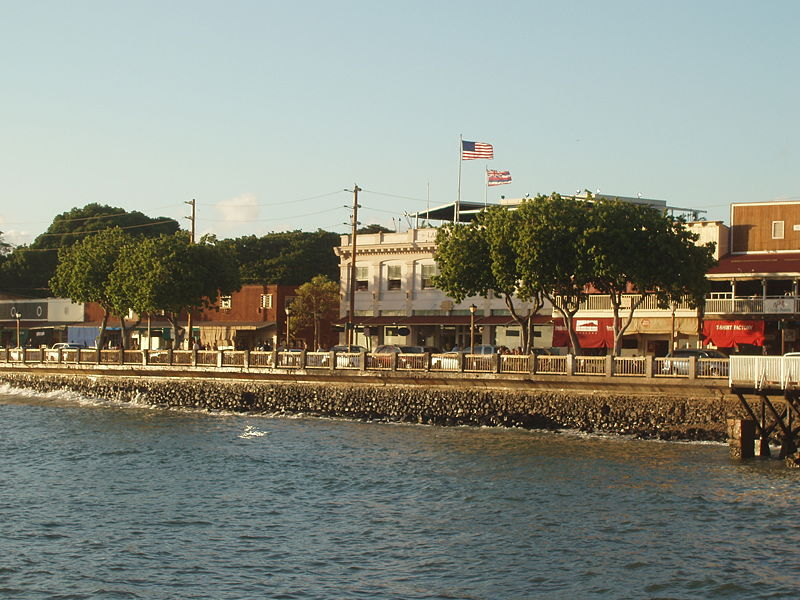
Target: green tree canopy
[636, 248]
[315, 301]
[550, 248]
[85, 269]
[29, 268]
[170, 274]
[478, 257]
[288, 258]
[374, 228]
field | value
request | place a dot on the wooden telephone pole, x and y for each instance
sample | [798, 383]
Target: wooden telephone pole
[193, 204]
[352, 305]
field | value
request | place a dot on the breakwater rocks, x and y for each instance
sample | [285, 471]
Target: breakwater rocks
[657, 416]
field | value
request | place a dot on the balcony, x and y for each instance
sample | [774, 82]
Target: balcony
[728, 304]
[717, 303]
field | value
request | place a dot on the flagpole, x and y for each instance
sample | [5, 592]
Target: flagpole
[486, 189]
[457, 207]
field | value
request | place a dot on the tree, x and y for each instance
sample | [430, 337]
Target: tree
[373, 228]
[314, 301]
[636, 248]
[84, 270]
[5, 247]
[478, 257]
[29, 268]
[169, 274]
[288, 258]
[550, 244]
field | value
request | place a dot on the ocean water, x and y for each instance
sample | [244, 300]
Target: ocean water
[108, 500]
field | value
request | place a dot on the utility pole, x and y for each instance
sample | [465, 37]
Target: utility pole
[352, 306]
[192, 218]
[193, 204]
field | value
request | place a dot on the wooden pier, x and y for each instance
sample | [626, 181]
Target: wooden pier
[768, 389]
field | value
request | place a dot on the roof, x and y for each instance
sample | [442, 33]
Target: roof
[751, 266]
[467, 211]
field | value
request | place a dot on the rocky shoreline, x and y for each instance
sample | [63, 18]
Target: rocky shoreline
[658, 416]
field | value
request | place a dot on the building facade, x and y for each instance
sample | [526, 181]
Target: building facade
[396, 301]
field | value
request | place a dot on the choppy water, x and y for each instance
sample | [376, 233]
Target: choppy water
[100, 500]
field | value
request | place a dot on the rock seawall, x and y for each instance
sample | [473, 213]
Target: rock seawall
[648, 416]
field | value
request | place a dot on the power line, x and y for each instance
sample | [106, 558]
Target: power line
[76, 219]
[217, 205]
[320, 212]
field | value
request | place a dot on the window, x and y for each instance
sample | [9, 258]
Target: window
[393, 281]
[225, 302]
[777, 230]
[266, 300]
[428, 272]
[362, 273]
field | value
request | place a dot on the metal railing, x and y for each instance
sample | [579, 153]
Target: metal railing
[499, 364]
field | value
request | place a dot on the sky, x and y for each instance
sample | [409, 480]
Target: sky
[266, 112]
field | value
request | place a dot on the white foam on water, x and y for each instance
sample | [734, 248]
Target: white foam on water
[251, 432]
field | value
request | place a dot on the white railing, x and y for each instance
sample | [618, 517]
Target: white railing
[515, 363]
[751, 370]
[412, 362]
[631, 366]
[479, 363]
[764, 371]
[318, 360]
[590, 365]
[603, 302]
[554, 365]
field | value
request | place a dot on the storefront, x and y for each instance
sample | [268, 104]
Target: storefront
[734, 335]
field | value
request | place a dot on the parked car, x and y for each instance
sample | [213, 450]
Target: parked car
[677, 362]
[346, 360]
[52, 352]
[346, 348]
[67, 346]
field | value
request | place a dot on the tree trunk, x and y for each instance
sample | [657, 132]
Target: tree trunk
[103, 325]
[568, 313]
[619, 328]
[177, 330]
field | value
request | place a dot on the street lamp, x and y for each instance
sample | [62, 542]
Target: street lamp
[288, 313]
[18, 317]
[472, 309]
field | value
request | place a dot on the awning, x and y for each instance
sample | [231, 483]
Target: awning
[592, 333]
[729, 334]
[662, 325]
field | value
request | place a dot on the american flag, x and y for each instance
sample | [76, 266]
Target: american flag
[497, 177]
[472, 150]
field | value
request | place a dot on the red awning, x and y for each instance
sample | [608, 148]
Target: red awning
[592, 333]
[729, 334]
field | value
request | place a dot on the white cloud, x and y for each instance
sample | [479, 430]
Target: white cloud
[15, 236]
[234, 212]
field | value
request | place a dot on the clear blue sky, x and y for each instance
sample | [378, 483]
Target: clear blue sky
[266, 111]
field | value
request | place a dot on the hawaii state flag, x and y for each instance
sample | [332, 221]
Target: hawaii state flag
[497, 177]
